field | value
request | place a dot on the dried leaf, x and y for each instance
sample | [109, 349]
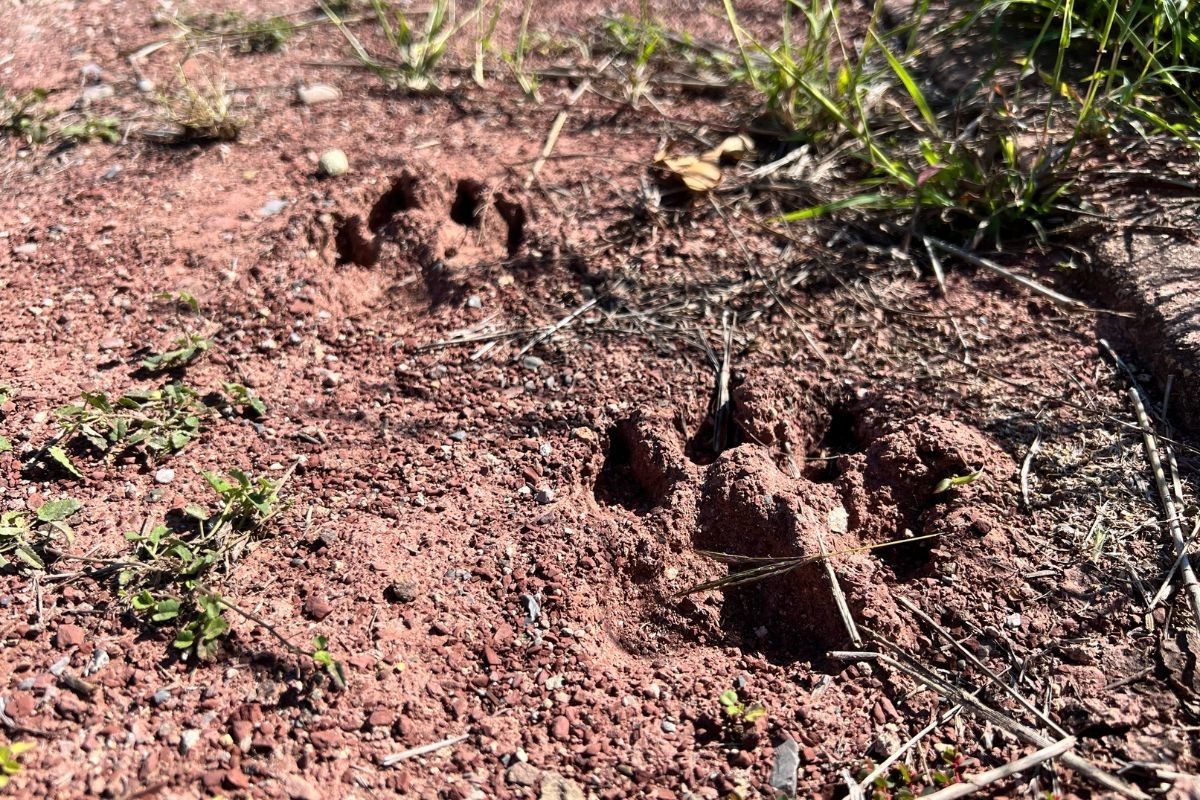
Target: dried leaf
[697, 174]
[733, 149]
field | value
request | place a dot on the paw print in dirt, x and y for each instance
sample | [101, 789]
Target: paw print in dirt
[447, 232]
[810, 474]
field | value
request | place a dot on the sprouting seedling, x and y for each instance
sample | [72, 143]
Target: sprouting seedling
[771, 567]
[250, 404]
[737, 710]
[954, 481]
[10, 763]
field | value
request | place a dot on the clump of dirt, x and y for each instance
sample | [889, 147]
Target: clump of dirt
[745, 506]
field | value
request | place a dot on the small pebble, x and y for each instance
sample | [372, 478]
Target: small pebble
[317, 93]
[458, 436]
[532, 362]
[474, 301]
[333, 163]
[544, 496]
[272, 207]
[164, 475]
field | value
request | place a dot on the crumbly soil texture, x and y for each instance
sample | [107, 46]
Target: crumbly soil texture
[519, 419]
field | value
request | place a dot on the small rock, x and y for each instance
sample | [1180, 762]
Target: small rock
[458, 436]
[318, 93]
[556, 787]
[69, 636]
[560, 729]
[474, 301]
[160, 697]
[145, 85]
[584, 434]
[522, 774]
[333, 163]
[299, 789]
[236, 779]
[544, 496]
[1013, 621]
[188, 740]
[112, 343]
[27, 249]
[164, 475]
[317, 607]
[272, 207]
[787, 762]
[532, 363]
[668, 726]
[401, 591]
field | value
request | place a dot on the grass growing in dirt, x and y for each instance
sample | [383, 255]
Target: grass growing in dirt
[154, 423]
[197, 110]
[248, 34]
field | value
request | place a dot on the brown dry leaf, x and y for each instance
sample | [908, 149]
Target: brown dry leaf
[734, 148]
[697, 174]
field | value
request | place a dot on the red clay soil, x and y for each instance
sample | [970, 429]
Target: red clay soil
[496, 542]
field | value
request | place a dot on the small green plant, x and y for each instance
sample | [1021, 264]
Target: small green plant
[739, 714]
[415, 49]
[250, 404]
[23, 115]
[105, 129]
[901, 782]
[10, 763]
[248, 502]
[27, 540]
[249, 34]
[156, 423]
[184, 351]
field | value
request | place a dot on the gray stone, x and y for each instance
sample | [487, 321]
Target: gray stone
[188, 740]
[556, 787]
[783, 771]
[522, 774]
[544, 496]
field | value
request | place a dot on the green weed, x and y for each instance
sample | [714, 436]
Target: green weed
[414, 48]
[23, 115]
[155, 423]
[250, 404]
[10, 763]
[27, 539]
[249, 34]
[105, 129]
[185, 350]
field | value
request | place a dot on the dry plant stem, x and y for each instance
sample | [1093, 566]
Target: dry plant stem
[1034, 449]
[560, 120]
[1165, 588]
[969, 656]
[904, 748]
[1030, 284]
[839, 597]
[721, 407]
[420, 750]
[974, 783]
[1168, 501]
[1000, 720]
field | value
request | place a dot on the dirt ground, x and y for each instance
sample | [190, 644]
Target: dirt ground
[495, 400]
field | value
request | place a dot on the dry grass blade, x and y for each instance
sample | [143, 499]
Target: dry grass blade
[1021, 731]
[768, 567]
[974, 783]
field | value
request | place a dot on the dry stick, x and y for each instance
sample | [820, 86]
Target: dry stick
[1028, 283]
[1168, 502]
[560, 121]
[1166, 584]
[1025, 465]
[420, 750]
[839, 597]
[974, 783]
[546, 333]
[1000, 720]
[974, 660]
[721, 408]
[904, 748]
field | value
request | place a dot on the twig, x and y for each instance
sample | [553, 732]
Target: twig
[546, 333]
[560, 120]
[721, 406]
[904, 748]
[1166, 584]
[1168, 501]
[974, 660]
[1028, 283]
[974, 783]
[998, 718]
[1025, 465]
[839, 597]
[420, 750]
